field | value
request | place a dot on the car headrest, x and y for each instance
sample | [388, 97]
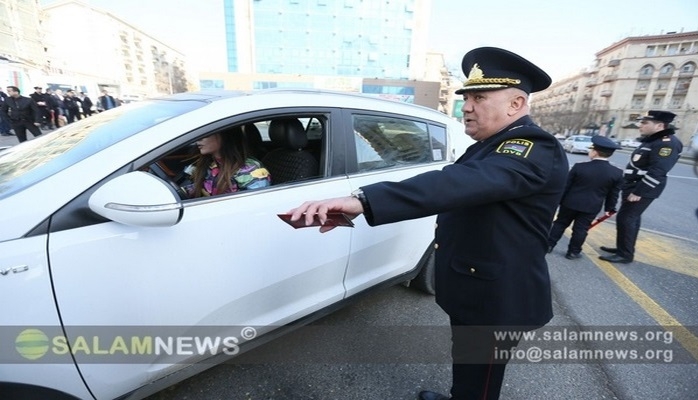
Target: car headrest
[288, 132]
[254, 137]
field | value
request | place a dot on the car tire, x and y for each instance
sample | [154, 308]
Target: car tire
[425, 280]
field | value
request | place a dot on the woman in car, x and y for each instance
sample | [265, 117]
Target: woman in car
[224, 165]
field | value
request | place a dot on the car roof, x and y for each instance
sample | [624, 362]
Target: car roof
[359, 99]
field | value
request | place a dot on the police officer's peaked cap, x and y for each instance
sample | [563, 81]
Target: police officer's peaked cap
[38, 87]
[661, 116]
[491, 68]
[604, 144]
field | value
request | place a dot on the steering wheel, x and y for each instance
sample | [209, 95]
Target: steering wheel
[158, 171]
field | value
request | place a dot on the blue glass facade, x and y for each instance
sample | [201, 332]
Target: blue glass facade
[230, 35]
[358, 38]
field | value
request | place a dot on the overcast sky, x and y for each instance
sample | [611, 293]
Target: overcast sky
[562, 37]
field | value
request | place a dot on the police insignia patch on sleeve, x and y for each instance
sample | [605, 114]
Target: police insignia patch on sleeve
[515, 147]
[664, 151]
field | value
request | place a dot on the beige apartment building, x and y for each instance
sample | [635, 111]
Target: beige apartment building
[629, 77]
[39, 47]
[121, 57]
[22, 54]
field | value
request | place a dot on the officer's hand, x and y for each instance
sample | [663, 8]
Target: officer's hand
[633, 198]
[348, 205]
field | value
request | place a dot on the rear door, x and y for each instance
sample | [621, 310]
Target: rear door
[393, 148]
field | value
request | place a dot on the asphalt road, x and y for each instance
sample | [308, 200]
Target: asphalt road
[394, 342]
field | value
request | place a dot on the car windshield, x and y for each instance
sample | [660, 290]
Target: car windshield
[32, 161]
[582, 139]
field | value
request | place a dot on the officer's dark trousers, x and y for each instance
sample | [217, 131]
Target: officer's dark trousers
[565, 216]
[628, 222]
[478, 362]
[20, 128]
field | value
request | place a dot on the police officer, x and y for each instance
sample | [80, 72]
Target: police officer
[644, 180]
[495, 205]
[590, 186]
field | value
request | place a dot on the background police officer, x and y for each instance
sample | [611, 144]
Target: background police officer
[495, 205]
[644, 180]
[590, 186]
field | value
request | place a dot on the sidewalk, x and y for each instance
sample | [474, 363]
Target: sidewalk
[8, 141]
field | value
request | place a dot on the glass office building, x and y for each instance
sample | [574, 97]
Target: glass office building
[379, 39]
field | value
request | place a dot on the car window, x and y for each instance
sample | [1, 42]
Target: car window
[383, 142]
[33, 161]
[176, 166]
[583, 139]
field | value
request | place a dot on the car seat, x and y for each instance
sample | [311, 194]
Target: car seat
[289, 161]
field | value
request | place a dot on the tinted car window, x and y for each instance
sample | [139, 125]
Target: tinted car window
[383, 142]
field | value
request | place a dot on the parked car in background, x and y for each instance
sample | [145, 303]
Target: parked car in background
[577, 144]
[105, 259]
[631, 143]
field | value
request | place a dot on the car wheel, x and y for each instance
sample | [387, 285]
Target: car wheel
[425, 280]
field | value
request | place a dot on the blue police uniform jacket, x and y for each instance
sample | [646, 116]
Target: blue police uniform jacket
[646, 173]
[592, 185]
[495, 204]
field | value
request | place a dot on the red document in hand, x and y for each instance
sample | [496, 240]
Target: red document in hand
[333, 219]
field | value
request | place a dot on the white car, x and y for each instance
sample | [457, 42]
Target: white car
[577, 144]
[633, 143]
[116, 285]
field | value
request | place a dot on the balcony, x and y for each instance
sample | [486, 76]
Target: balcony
[606, 93]
[614, 63]
[610, 78]
[591, 82]
[680, 91]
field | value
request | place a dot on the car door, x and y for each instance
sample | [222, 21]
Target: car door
[393, 148]
[229, 263]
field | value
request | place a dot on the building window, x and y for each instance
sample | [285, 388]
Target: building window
[211, 84]
[666, 69]
[638, 101]
[642, 85]
[647, 70]
[657, 101]
[651, 51]
[676, 102]
[687, 68]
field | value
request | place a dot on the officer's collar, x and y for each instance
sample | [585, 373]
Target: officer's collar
[658, 135]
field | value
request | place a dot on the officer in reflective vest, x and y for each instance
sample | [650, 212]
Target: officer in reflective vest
[644, 180]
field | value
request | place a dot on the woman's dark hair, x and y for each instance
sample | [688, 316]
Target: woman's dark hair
[233, 151]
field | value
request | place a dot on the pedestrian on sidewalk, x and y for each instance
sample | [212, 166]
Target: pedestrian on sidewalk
[4, 119]
[43, 104]
[86, 104]
[591, 185]
[644, 179]
[23, 114]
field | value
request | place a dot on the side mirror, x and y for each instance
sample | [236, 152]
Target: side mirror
[137, 198]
